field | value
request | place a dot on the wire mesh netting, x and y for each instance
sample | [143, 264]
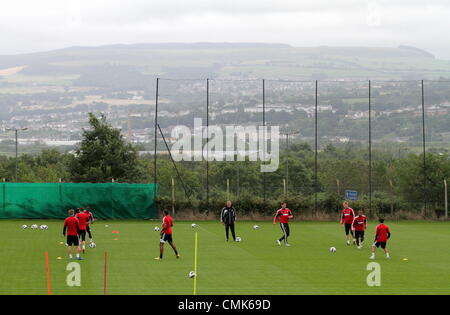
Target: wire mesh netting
[335, 137]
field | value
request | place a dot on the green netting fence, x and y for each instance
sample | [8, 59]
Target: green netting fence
[52, 200]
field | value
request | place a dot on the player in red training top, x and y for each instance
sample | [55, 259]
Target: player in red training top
[359, 225]
[90, 220]
[382, 235]
[82, 221]
[347, 217]
[284, 214]
[71, 228]
[166, 236]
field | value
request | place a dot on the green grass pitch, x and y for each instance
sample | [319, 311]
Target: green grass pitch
[254, 266]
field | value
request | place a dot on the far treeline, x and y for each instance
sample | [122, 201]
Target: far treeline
[401, 186]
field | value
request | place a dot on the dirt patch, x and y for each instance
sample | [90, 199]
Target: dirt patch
[11, 71]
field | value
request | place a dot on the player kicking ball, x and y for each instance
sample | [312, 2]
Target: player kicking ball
[359, 225]
[382, 235]
[82, 223]
[72, 228]
[166, 236]
[347, 217]
[283, 215]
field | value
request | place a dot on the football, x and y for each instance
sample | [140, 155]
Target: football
[43, 227]
[193, 225]
[156, 228]
[191, 274]
[92, 245]
[332, 249]
[255, 227]
[24, 226]
[34, 226]
[238, 239]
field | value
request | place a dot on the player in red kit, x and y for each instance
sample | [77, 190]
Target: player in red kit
[359, 225]
[382, 234]
[82, 221]
[283, 215]
[166, 236]
[71, 228]
[347, 217]
[90, 220]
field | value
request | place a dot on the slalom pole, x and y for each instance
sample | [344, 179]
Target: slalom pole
[195, 262]
[47, 272]
[104, 273]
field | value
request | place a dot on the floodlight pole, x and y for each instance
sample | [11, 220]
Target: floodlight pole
[446, 199]
[370, 146]
[315, 145]
[16, 131]
[156, 140]
[264, 130]
[424, 152]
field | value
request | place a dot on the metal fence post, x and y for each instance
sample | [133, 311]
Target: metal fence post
[156, 140]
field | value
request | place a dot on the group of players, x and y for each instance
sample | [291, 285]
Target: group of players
[76, 226]
[354, 227]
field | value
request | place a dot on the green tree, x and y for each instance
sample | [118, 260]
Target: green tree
[104, 155]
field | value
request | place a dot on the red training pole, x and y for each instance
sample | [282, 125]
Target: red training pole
[104, 274]
[47, 271]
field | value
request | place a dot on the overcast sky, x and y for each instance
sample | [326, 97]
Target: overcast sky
[40, 25]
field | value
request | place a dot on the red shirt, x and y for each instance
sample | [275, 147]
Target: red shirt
[90, 217]
[168, 222]
[359, 223]
[382, 233]
[284, 215]
[82, 218]
[71, 223]
[347, 216]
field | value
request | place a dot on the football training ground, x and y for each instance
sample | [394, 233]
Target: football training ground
[420, 262]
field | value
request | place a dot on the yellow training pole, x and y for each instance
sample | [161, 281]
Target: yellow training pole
[195, 263]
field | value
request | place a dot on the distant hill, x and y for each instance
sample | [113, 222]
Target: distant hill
[236, 60]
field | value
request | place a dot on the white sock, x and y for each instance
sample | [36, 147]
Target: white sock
[70, 256]
[78, 255]
[84, 247]
[387, 255]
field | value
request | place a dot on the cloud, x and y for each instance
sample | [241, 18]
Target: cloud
[28, 25]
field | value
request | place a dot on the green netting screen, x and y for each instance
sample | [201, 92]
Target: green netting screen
[51, 201]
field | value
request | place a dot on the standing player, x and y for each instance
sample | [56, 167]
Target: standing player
[228, 218]
[382, 235]
[90, 220]
[82, 221]
[71, 228]
[166, 236]
[359, 225]
[284, 214]
[347, 217]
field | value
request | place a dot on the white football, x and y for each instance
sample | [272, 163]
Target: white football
[191, 274]
[332, 249]
[92, 245]
[24, 226]
[43, 227]
[193, 225]
[238, 239]
[156, 228]
[255, 227]
[34, 226]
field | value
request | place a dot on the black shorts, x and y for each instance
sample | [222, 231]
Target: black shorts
[72, 240]
[166, 238]
[83, 235]
[359, 234]
[348, 228]
[378, 244]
